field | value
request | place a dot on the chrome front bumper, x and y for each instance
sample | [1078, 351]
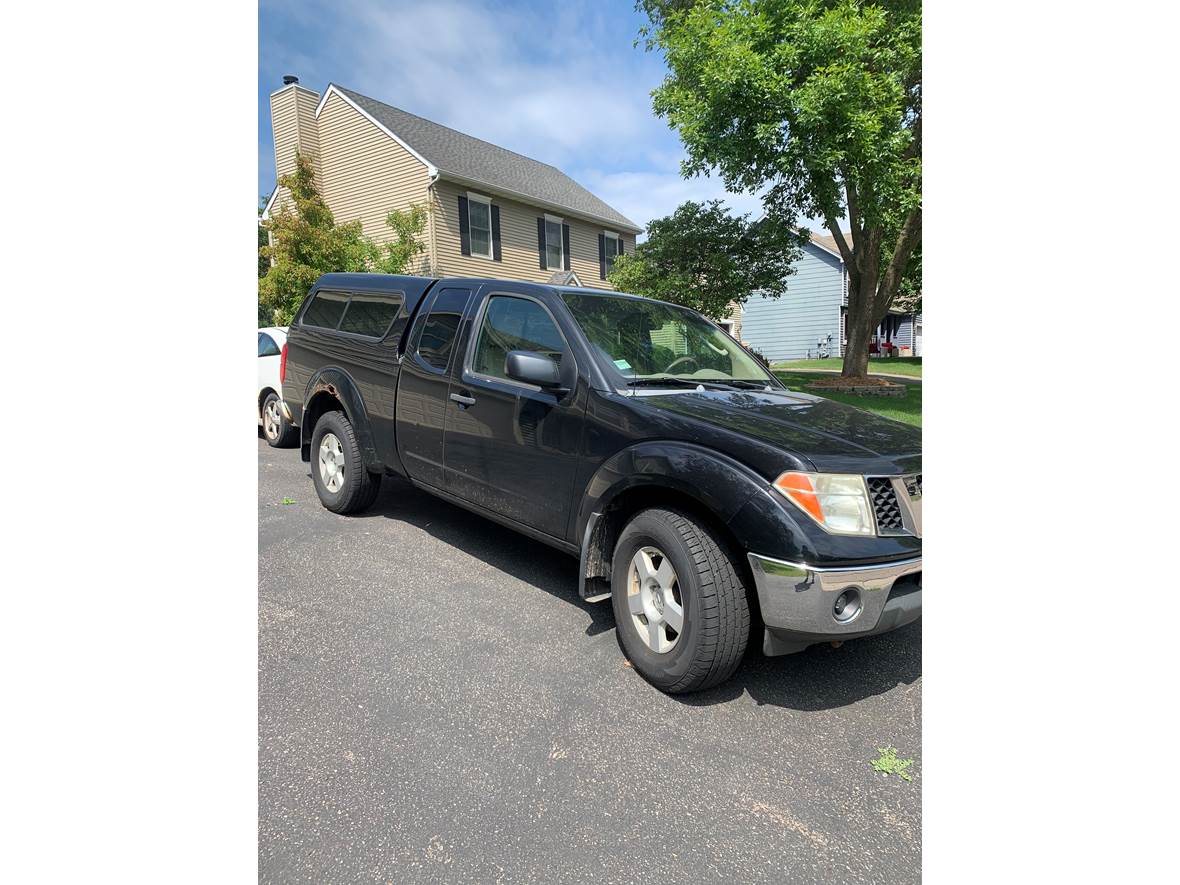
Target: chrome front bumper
[799, 601]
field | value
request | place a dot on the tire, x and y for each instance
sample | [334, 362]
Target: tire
[708, 590]
[277, 430]
[341, 480]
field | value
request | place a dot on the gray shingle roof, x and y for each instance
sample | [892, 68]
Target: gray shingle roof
[457, 154]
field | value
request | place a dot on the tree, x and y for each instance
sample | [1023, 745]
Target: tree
[307, 242]
[817, 104]
[407, 243]
[704, 258]
[263, 261]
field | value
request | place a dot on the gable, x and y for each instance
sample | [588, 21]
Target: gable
[364, 174]
[469, 160]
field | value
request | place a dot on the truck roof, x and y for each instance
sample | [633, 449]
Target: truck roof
[415, 286]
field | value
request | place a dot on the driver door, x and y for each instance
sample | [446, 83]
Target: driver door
[511, 447]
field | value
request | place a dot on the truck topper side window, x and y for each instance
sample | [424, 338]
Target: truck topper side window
[438, 333]
[325, 309]
[371, 314]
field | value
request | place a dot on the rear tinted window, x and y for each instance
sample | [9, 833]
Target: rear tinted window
[267, 346]
[370, 315]
[438, 334]
[325, 310]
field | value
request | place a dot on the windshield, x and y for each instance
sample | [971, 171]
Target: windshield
[649, 340]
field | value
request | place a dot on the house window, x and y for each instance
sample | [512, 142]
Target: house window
[554, 260]
[613, 245]
[479, 217]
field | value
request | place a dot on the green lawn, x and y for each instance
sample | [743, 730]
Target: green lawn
[906, 408]
[909, 365]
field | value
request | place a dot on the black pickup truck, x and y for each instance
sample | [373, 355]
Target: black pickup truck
[699, 495]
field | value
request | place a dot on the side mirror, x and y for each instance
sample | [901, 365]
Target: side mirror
[532, 368]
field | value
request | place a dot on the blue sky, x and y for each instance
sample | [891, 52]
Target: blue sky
[560, 82]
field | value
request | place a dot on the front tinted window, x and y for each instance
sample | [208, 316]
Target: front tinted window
[370, 314]
[266, 345]
[325, 310]
[650, 339]
[514, 324]
[438, 333]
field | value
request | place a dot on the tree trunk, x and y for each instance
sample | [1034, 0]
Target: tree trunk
[871, 288]
[859, 328]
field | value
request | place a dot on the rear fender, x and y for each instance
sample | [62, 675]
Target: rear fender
[332, 383]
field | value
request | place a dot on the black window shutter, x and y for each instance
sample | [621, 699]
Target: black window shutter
[565, 244]
[495, 233]
[541, 240]
[602, 256]
[464, 228]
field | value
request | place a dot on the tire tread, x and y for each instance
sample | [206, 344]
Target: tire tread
[361, 487]
[724, 624]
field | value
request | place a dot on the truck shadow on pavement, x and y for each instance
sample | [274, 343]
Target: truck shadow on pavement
[819, 678]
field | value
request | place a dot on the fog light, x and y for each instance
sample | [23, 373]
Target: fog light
[847, 605]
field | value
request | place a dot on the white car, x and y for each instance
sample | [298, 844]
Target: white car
[275, 426]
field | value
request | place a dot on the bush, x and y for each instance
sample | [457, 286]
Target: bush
[757, 354]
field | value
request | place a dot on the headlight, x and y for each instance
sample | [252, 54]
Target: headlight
[837, 501]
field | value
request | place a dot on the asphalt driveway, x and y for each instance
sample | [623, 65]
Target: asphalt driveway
[436, 704]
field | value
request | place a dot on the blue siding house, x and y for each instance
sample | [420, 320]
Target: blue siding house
[808, 321]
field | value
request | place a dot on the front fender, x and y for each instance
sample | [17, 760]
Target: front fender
[335, 382]
[717, 481]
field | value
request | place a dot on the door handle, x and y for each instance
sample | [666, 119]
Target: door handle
[463, 400]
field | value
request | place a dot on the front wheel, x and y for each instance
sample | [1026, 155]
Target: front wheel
[680, 605]
[341, 480]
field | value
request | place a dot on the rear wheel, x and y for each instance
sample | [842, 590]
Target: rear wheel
[341, 480]
[278, 430]
[680, 605]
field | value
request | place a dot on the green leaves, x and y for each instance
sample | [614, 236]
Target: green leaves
[307, 242]
[704, 258]
[888, 763]
[407, 227]
[814, 104]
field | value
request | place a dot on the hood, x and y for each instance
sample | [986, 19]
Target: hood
[832, 436]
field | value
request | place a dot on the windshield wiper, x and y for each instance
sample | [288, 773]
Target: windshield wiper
[747, 385]
[663, 381]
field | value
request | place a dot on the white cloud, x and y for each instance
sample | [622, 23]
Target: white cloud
[566, 87]
[642, 196]
[558, 94]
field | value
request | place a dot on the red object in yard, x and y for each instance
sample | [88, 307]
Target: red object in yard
[283, 364]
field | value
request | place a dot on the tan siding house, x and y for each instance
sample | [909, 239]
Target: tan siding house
[370, 159]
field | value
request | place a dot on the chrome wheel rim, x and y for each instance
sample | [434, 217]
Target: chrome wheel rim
[331, 462]
[271, 419]
[654, 600]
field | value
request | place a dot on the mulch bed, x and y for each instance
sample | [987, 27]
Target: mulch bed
[859, 386]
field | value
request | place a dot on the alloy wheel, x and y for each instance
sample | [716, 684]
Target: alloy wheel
[331, 463]
[271, 420]
[654, 600]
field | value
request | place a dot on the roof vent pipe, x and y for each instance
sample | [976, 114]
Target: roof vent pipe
[289, 79]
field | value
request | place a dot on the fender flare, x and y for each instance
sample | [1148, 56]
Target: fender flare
[715, 481]
[336, 382]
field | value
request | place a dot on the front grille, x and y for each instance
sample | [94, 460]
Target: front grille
[885, 506]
